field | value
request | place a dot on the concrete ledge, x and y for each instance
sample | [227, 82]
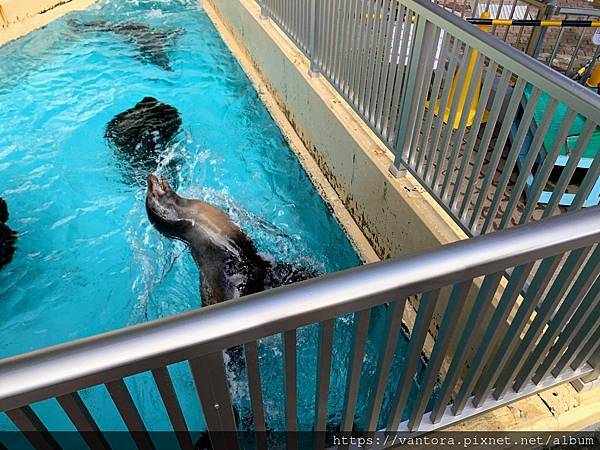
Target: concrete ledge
[561, 408]
[19, 17]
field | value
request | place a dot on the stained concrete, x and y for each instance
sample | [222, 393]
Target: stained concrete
[19, 17]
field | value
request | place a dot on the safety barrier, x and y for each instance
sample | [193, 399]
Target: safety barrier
[493, 364]
[520, 131]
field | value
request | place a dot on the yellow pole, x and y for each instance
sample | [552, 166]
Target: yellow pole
[594, 79]
[463, 93]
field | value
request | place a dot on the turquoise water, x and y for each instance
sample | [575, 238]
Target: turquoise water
[88, 261]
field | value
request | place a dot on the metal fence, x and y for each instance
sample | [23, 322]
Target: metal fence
[501, 354]
[495, 136]
[565, 49]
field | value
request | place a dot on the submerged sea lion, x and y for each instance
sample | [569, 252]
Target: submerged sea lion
[229, 263]
[8, 237]
[140, 135]
[152, 44]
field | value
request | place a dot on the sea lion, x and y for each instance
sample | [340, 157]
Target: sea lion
[153, 45]
[8, 237]
[229, 263]
[141, 134]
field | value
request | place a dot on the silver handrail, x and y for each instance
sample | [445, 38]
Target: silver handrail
[107, 358]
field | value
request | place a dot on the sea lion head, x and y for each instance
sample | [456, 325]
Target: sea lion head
[166, 210]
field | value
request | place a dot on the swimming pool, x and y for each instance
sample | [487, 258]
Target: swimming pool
[88, 261]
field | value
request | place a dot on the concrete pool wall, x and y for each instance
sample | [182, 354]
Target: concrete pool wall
[19, 17]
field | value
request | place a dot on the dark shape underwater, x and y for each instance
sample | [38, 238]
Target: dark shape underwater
[140, 136]
[153, 45]
[8, 237]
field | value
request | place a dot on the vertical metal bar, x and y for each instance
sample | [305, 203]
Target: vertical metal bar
[511, 15]
[419, 54]
[449, 127]
[210, 379]
[358, 41]
[357, 353]
[369, 58]
[588, 332]
[339, 44]
[32, 428]
[312, 38]
[384, 362]
[457, 138]
[522, 28]
[567, 272]
[587, 314]
[527, 166]
[419, 332]
[479, 315]
[355, 50]
[415, 152]
[364, 61]
[586, 186]
[569, 169]
[442, 343]
[507, 122]
[169, 397]
[582, 284]
[542, 278]
[576, 50]
[333, 44]
[556, 45]
[290, 382]
[482, 149]
[376, 63]
[79, 414]
[590, 348]
[133, 421]
[255, 387]
[432, 148]
[386, 78]
[482, 356]
[347, 54]
[440, 71]
[511, 159]
[543, 173]
[390, 125]
[488, 82]
[382, 54]
[323, 379]
[394, 72]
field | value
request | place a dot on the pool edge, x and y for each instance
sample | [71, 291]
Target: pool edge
[28, 17]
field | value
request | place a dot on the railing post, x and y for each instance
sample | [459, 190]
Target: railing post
[264, 12]
[419, 53]
[312, 38]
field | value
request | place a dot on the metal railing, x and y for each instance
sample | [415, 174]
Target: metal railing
[510, 358]
[411, 69]
[568, 50]
[564, 49]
